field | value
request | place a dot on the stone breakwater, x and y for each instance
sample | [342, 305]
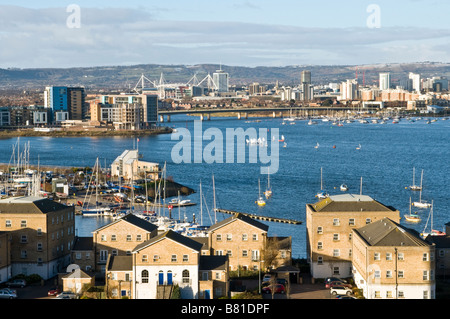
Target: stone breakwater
[79, 133]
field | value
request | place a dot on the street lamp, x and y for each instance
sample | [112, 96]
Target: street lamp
[260, 274]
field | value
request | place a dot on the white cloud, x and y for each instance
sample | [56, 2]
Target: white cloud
[114, 36]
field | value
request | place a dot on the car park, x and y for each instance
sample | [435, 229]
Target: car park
[340, 290]
[279, 289]
[17, 283]
[7, 294]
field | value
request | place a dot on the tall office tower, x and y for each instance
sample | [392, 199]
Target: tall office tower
[308, 91]
[416, 84]
[221, 79]
[385, 81]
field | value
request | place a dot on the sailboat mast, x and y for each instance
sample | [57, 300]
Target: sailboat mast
[360, 187]
[214, 196]
[201, 204]
[96, 182]
[321, 183]
[420, 194]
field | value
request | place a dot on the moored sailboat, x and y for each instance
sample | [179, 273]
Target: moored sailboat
[413, 218]
[433, 232]
[322, 194]
[415, 187]
[260, 201]
[420, 203]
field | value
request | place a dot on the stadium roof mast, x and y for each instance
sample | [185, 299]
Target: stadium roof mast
[210, 82]
[142, 83]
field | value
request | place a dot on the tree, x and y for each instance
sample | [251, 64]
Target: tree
[270, 252]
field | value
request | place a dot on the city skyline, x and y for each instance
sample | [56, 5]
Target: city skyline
[64, 34]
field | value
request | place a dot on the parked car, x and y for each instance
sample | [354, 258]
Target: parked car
[17, 283]
[68, 294]
[54, 291]
[7, 294]
[330, 279]
[337, 283]
[279, 289]
[267, 277]
[340, 290]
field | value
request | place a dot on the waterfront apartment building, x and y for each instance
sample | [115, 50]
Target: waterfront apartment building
[129, 111]
[442, 244]
[119, 238]
[245, 242]
[330, 224]
[5, 256]
[42, 235]
[164, 262]
[392, 262]
[129, 165]
[82, 253]
[66, 103]
[4, 116]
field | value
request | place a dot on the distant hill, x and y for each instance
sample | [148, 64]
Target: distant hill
[123, 77]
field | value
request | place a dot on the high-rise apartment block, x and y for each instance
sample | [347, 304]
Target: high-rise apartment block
[385, 81]
[221, 80]
[307, 88]
[127, 111]
[416, 84]
[66, 103]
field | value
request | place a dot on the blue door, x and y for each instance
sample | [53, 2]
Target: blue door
[169, 278]
[207, 294]
[161, 278]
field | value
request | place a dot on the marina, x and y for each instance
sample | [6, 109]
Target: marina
[386, 168]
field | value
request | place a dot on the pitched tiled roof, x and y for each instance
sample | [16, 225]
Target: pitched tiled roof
[30, 205]
[83, 243]
[120, 263]
[170, 234]
[242, 217]
[386, 232]
[213, 262]
[349, 203]
[134, 220]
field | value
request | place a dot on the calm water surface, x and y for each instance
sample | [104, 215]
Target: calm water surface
[388, 154]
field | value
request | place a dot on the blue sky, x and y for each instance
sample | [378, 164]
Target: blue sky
[232, 32]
